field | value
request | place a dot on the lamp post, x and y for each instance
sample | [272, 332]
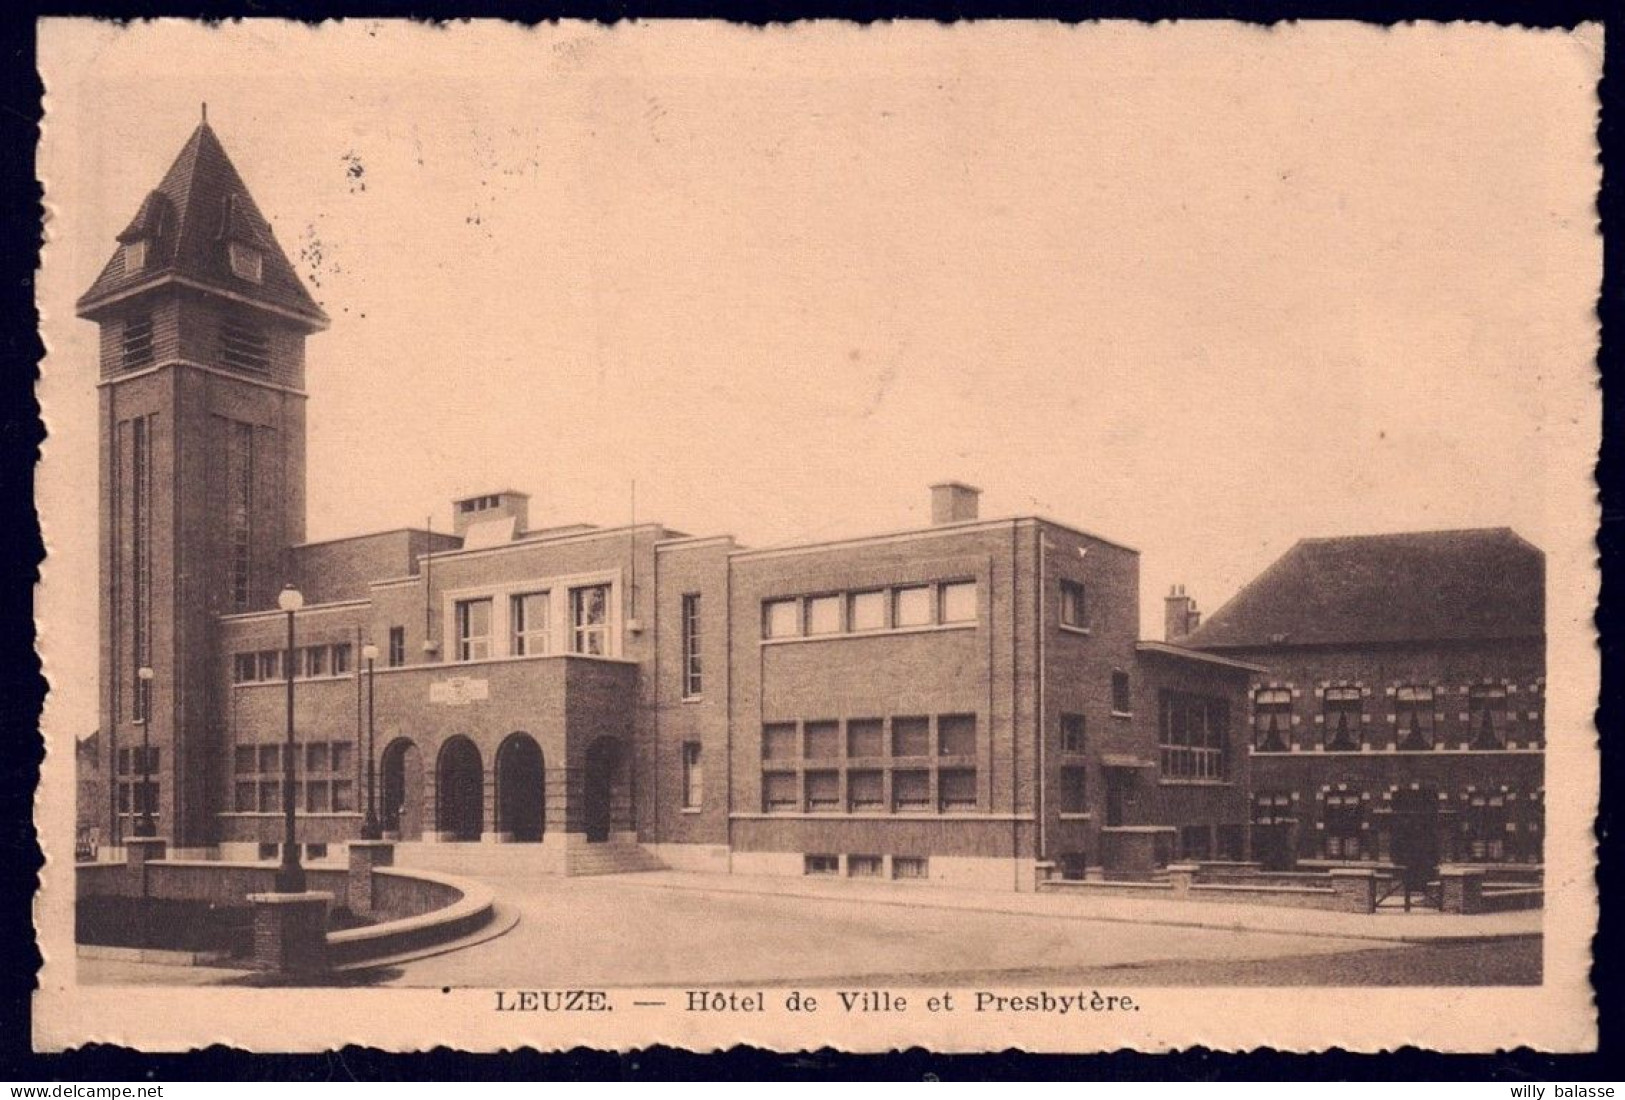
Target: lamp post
[144, 825]
[290, 877]
[371, 829]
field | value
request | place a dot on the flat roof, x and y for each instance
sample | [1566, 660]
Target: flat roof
[1201, 657]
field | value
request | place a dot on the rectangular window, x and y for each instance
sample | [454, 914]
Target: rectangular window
[1342, 825]
[343, 796]
[316, 757]
[244, 346]
[244, 759]
[956, 735]
[1413, 717]
[823, 740]
[1341, 714]
[137, 350]
[530, 616]
[911, 607]
[342, 757]
[956, 790]
[1075, 606]
[245, 797]
[957, 603]
[823, 865]
[693, 683]
[473, 630]
[316, 850]
[316, 660]
[781, 619]
[271, 664]
[244, 668]
[909, 867]
[1122, 700]
[865, 737]
[140, 526]
[589, 620]
[270, 758]
[911, 791]
[268, 850]
[1073, 732]
[135, 255]
[341, 658]
[779, 792]
[911, 736]
[865, 792]
[867, 611]
[823, 792]
[779, 741]
[864, 866]
[824, 615]
[1487, 715]
[240, 510]
[1193, 735]
[1273, 808]
[397, 647]
[1074, 790]
[316, 797]
[1272, 719]
[693, 776]
[270, 795]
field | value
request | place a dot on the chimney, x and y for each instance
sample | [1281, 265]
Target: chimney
[1181, 616]
[487, 508]
[953, 502]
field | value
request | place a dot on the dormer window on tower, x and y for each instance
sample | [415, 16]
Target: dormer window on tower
[135, 255]
[246, 262]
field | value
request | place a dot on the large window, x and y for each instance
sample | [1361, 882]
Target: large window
[1413, 717]
[1193, 732]
[1341, 711]
[473, 630]
[589, 620]
[326, 780]
[530, 618]
[1272, 719]
[692, 681]
[1487, 715]
[693, 776]
[1074, 605]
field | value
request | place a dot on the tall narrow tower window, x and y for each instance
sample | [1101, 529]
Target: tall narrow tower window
[240, 505]
[245, 346]
[140, 527]
[137, 342]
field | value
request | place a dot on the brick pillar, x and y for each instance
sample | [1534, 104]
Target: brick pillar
[1356, 889]
[290, 931]
[1182, 876]
[1461, 889]
[364, 856]
[138, 852]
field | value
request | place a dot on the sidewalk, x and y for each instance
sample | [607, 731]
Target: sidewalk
[1383, 926]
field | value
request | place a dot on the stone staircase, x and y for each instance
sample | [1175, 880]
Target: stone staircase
[526, 860]
[612, 858]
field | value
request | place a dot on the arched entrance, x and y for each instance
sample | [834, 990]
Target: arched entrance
[401, 796]
[604, 765]
[459, 791]
[521, 800]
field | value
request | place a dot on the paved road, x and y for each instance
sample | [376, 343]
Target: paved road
[632, 931]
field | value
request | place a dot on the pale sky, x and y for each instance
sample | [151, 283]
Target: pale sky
[1198, 289]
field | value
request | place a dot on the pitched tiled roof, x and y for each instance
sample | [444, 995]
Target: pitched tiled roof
[1420, 586]
[187, 222]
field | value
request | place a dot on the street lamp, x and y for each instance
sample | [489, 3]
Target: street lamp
[144, 825]
[370, 829]
[290, 877]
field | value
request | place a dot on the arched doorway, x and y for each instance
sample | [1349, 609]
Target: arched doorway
[459, 791]
[604, 765]
[521, 800]
[401, 799]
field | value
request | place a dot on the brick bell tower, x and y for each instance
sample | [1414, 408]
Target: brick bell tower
[202, 474]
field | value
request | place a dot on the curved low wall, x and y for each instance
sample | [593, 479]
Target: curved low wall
[416, 909]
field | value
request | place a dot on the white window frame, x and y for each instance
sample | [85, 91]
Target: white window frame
[560, 619]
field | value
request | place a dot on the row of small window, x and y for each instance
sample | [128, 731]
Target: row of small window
[138, 790]
[872, 790]
[316, 796]
[866, 866]
[1482, 826]
[270, 850]
[866, 738]
[530, 624]
[1416, 718]
[312, 756]
[876, 609]
[310, 661]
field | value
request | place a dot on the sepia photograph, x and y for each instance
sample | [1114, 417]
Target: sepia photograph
[967, 536]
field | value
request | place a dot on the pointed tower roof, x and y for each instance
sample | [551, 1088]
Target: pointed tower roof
[188, 224]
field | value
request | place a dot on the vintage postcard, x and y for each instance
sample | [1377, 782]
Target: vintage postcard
[979, 536]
